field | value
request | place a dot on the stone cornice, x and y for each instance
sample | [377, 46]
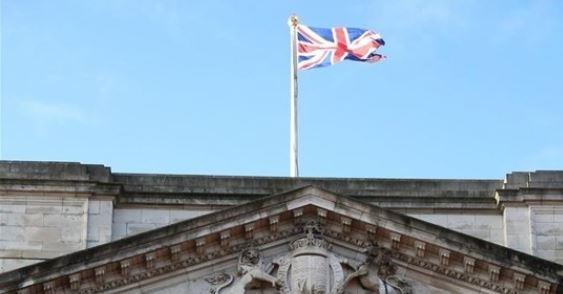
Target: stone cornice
[222, 191]
[42, 188]
[524, 187]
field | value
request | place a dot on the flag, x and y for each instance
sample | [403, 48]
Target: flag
[317, 47]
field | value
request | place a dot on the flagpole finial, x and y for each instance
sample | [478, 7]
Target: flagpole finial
[293, 21]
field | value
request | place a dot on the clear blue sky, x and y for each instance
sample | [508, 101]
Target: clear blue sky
[471, 89]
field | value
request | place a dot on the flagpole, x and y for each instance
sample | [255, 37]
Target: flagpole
[293, 143]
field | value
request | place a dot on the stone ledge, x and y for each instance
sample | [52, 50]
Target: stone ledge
[44, 170]
[42, 178]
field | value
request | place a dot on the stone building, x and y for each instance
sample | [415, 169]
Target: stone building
[77, 228]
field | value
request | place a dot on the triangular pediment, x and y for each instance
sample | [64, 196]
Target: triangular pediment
[207, 252]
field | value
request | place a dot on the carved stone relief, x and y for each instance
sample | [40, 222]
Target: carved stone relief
[377, 273]
[312, 268]
[250, 269]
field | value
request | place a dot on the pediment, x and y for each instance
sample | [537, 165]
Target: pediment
[349, 243]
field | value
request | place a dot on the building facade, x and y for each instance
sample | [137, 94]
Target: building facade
[69, 227]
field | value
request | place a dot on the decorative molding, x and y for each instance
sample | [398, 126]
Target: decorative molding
[74, 281]
[149, 260]
[494, 273]
[468, 264]
[519, 280]
[544, 287]
[395, 240]
[444, 256]
[99, 274]
[346, 224]
[125, 267]
[224, 236]
[371, 231]
[420, 248]
[274, 221]
[322, 215]
[298, 212]
[175, 251]
[200, 245]
[49, 287]
[452, 273]
[249, 230]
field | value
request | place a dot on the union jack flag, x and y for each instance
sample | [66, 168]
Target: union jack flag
[318, 47]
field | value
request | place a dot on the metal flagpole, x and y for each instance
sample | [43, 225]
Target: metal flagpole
[293, 143]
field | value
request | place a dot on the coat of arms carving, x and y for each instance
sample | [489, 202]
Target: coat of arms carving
[311, 267]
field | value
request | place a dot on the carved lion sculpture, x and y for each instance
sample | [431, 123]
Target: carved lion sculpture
[249, 270]
[377, 273]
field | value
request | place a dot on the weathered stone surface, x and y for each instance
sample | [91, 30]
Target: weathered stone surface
[453, 263]
[78, 206]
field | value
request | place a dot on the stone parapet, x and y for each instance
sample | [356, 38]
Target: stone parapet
[543, 179]
[67, 171]
[221, 191]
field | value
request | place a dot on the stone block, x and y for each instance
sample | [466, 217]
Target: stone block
[519, 242]
[546, 176]
[43, 234]
[118, 231]
[95, 220]
[155, 216]
[133, 229]
[55, 208]
[545, 243]
[18, 219]
[12, 208]
[548, 254]
[73, 209]
[127, 215]
[558, 215]
[12, 233]
[90, 244]
[549, 229]
[463, 222]
[19, 245]
[42, 254]
[33, 220]
[62, 248]
[516, 180]
[481, 234]
[488, 221]
[516, 226]
[93, 206]
[10, 264]
[11, 253]
[177, 215]
[93, 234]
[542, 215]
[71, 235]
[105, 233]
[437, 219]
[497, 236]
[106, 207]
[517, 213]
[63, 220]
